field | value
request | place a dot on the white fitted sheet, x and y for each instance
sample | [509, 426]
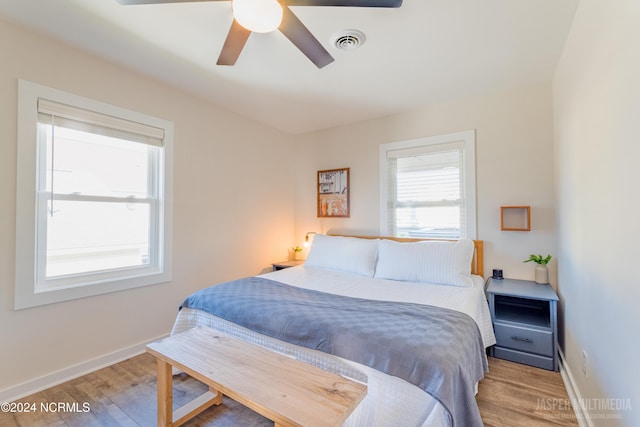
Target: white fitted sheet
[390, 401]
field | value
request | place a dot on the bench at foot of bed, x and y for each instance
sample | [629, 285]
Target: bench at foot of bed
[282, 389]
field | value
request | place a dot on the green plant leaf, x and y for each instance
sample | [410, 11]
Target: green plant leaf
[538, 259]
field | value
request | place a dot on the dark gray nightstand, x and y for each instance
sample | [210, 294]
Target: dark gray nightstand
[285, 264]
[525, 322]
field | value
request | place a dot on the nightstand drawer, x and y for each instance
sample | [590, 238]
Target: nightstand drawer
[526, 358]
[525, 339]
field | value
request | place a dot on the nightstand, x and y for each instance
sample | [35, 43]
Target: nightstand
[525, 322]
[285, 264]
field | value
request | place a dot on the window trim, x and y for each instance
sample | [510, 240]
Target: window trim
[26, 292]
[467, 138]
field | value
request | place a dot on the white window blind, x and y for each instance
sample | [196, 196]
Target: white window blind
[427, 188]
[93, 122]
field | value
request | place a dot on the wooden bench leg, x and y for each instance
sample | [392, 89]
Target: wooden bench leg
[166, 416]
[218, 399]
[165, 394]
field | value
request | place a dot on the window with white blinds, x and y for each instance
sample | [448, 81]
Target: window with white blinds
[428, 187]
[101, 179]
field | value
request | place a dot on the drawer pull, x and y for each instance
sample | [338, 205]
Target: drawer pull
[527, 340]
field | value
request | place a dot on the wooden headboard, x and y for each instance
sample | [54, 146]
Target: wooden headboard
[477, 263]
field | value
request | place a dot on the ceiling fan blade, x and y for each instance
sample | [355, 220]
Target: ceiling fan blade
[131, 2]
[348, 3]
[234, 44]
[299, 35]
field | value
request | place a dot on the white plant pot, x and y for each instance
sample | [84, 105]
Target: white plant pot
[542, 274]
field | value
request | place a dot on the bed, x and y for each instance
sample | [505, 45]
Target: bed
[361, 283]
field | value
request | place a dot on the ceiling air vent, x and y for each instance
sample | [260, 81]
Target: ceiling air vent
[348, 39]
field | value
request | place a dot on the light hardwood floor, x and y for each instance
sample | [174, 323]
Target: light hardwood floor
[516, 395]
[124, 394]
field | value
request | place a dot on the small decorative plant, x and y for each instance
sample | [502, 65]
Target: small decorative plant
[538, 259]
[542, 272]
[297, 252]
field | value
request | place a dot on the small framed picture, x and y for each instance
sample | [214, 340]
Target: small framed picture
[333, 193]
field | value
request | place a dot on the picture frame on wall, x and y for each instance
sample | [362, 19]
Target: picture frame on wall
[333, 193]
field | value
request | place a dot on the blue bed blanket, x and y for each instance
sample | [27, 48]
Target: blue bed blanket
[437, 349]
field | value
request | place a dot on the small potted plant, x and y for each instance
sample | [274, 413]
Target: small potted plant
[297, 253]
[542, 272]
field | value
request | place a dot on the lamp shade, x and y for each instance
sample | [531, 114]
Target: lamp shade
[260, 16]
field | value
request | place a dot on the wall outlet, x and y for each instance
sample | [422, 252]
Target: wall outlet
[584, 363]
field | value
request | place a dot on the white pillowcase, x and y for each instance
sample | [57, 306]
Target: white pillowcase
[446, 263]
[348, 254]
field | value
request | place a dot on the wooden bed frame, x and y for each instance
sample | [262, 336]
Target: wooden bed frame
[477, 262]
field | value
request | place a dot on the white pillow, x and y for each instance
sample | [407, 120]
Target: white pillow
[348, 254]
[446, 263]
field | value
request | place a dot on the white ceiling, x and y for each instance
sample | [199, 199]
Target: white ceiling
[426, 51]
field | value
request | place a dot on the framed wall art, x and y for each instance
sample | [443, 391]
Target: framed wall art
[333, 193]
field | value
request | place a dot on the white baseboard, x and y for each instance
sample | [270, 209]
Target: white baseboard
[573, 392]
[27, 388]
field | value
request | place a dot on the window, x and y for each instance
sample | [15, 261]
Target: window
[428, 187]
[94, 198]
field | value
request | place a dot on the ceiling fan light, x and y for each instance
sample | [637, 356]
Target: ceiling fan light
[260, 16]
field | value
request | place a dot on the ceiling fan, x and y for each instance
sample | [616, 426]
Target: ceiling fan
[268, 15]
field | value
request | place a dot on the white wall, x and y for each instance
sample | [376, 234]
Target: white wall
[596, 93]
[514, 162]
[233, 212]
